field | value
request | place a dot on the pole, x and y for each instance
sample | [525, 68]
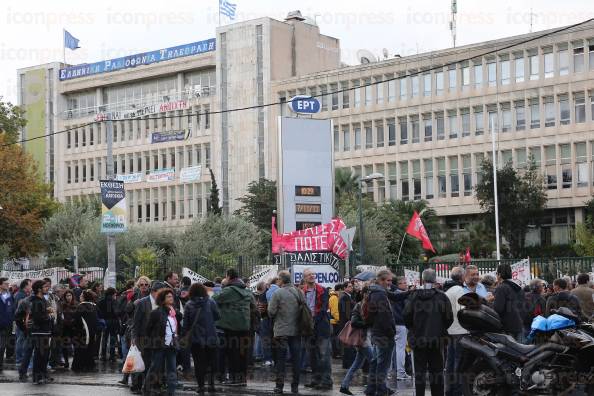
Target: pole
[400, 251]
[361, 232]
[111, 248]
[75, 259]
[494, 152]
[64, 44]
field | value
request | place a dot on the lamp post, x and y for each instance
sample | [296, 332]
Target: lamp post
[366, 179]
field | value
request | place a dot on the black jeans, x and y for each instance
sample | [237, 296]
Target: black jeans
[205, 362]
[41, 347]
[294, 345]
[5, 335]
[237, 349]
[429, 360]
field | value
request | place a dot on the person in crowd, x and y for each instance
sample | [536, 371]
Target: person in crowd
[162, 339]
[398, 294]
[318, 346]
[508, 302]
[201, 313]
[333, 297]
[139, 336]
[428, 316]
[184, 290]
[53, 300]
[218, 285]
[40, 331]
[378, 314]
[569, 281]
[272, 287]
[237, 307]
[7, 310]
[455, 331]
[68, 306]
[108, 312]
[262, 348]
[346, 304]
[534, 304]
[172, 282]
[85, 324]
[283, 309]
[97, 288]
[364, 352]
[80, 285]
[489, 282]
[24, 292]
[472, 284]
[562, 297]
[585, 294]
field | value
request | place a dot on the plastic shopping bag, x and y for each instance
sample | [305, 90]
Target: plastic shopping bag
[134, 362]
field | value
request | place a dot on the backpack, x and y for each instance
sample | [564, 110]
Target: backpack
[305, 323]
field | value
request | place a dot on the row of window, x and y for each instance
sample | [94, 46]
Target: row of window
[168, 203]
[139, 162]
[548, 111]
[563, 166]
[195, 119]
[505, 69]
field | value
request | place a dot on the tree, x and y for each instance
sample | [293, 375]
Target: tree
[11, 121]
[346, 185]
[214, 195]
[259, 203]
[25, 199]
[584, 232]
[522, 199]
[480, 240]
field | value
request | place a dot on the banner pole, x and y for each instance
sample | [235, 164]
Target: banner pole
[400, 251]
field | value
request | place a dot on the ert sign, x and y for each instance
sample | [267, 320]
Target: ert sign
[304, 104]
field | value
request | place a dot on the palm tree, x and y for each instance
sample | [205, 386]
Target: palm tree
[346, 184]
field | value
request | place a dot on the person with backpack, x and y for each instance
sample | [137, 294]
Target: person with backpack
[7, 309]
[284, 311]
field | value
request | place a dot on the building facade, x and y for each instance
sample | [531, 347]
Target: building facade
[423, 121]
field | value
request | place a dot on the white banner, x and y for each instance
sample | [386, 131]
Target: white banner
[130, 178]
[109, 279]
[413, 278]
[520, 272]
[371, 268]
[190, 174]
[15, 277]
[194, 277]
[262, 273]
[161, 175]
[326, 275]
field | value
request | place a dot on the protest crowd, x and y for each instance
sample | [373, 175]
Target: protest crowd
[223, 332]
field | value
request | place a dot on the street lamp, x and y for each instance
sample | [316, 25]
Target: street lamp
[366, 179]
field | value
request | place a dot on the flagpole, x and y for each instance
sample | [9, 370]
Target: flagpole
[219, 13]
[494, 152]
[400, 251]
[64, 44]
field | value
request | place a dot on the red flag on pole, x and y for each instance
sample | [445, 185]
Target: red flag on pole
[467, 258]
[417, 230]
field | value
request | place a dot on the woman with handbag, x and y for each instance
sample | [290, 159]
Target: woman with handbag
[357, 335]
[200, 332]
[162, 339]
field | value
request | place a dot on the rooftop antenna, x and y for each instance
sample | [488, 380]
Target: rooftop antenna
[453, 21]
[532, 15]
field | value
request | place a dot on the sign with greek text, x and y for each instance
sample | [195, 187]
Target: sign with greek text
[190, 174]
[161, 175]
[194, 276]
[161, 137]
[113, 206]
[326, 275]
[130, 178]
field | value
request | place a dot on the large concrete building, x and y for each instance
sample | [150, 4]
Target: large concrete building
[423, 121]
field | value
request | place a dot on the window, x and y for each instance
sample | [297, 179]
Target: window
[520, 115]
[465, 76]
[454, 178]
[549, 109]
[563, 62]
[492, 114]
[367, 83]
[336, 139]
[533, 63]
[521, 158]
[414, 123]
[75, 138]
[535, 156]
[84, 136]
[345, 94]
[368, 136]
[566, 165]
[324, 105]
[478, 74]
[505, 72]
[591, 54]
[404, 185]
[76, 173]
[346, 139]
[68, 140]
[492, 73]
[415, 86]
[452, 77]
[440, 125]
[69, 174]
[439, 83]
[428, 126]
[379, 90]
[416, 175]
[441, 178]
[534, 114]
[479, 123]
[564, 113]
[91, 136]
[467, 175]
[428, 167]
[357, 94]
[403, 130]
[478, 160]
[392, 180]
[391, 91]
[549, 64]
[427, 84]
[519, 68]
[581, 164]
[465, 115]
[592, 105]
[379, 134]
[578, 58]
[333, 89]
[551, 167]
[580, 107]
[453, 124]
[357, 130]
[392, 131]
[506, 157]
[506, 118]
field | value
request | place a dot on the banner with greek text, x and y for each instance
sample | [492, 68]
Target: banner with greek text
[15, 277]
[190, 174]
[113, 206]
[161, 175]
[130, 178]
[262, 273]
[194, 276]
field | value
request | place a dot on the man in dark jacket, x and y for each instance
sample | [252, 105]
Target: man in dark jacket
[428, 315]
[40, 331]
[107, 311]
[378, 314]
[318, 346]
[398, 294]
[534, 304]
[346, 304]
[7, 308]
[24, 292]
[508, 303]
[585, 294]
[563, 298]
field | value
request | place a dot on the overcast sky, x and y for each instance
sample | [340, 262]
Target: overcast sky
[31, 30]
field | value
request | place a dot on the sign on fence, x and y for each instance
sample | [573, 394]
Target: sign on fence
[194, 276]
[16, 277]
[262, 273]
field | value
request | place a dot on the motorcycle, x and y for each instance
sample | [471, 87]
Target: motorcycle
[494, 364]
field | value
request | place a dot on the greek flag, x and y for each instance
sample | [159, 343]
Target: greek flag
[227, 9]
[70, 41]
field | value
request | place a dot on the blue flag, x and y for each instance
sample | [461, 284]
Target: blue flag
[227, 9]
[70, 41]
